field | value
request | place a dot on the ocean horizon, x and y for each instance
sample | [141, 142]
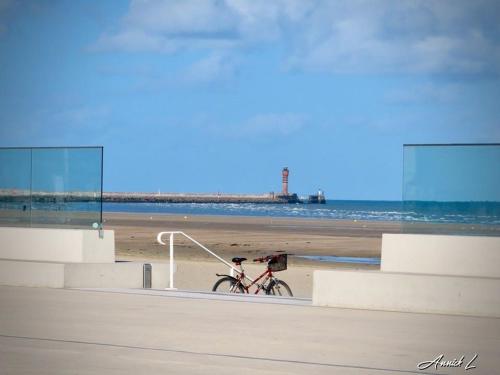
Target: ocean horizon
[413, 211]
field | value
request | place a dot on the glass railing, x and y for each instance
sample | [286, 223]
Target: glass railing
[51, 187]
[452, 189]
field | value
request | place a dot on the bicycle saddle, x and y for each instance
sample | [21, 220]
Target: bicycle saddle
[238, 260]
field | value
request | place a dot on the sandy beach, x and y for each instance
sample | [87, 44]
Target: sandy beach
[249, 237]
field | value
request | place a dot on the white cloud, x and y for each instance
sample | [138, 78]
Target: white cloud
[215, 67]
[167, 26]
[171, 25]
[425, 93]
[401, 37]
[356, 36]
[134, 40]
[180, 17]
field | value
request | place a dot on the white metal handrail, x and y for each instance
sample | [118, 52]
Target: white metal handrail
[171, 243]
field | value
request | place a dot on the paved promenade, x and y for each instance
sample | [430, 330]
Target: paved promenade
[56, 331]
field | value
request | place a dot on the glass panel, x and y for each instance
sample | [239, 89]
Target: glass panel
[66, 187]
[15, 197]
[452, 189]
[51, 187]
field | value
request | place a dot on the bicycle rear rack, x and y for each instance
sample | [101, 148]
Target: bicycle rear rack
[171, 243]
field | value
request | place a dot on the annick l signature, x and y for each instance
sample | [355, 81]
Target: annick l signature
[439, 361]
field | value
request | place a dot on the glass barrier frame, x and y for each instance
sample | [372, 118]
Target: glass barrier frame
[58, 187]
[451, 189]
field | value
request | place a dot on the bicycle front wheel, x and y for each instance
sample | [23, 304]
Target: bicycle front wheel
[279, 288]
[228, 285]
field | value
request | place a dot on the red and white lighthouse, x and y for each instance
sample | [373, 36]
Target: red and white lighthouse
[284, 174]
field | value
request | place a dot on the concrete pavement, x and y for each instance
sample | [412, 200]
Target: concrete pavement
[61, 331]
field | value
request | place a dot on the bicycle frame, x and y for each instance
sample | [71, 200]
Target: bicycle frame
[268, 274]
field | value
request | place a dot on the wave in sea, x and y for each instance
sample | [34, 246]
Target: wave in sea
[439, 212]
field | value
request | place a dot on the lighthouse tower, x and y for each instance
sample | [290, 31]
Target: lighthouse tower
[284, 174]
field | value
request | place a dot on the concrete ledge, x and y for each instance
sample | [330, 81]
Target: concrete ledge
[57, 245]
[441, 255]
[80, 275]
[375, 290]
[113, 275]
[34, 274]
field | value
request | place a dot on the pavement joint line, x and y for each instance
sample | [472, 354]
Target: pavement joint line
[205, 296]
[218, 355]
[236, 295]
[233, 297]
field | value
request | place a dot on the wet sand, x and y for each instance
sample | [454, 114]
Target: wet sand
[250, 237]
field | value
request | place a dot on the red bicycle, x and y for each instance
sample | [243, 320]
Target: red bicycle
[270, 284]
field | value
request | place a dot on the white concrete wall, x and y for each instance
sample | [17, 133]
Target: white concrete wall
[377, 290]
[33, 274]
[56, 245]
[441, 254]
[98, 250]
[160, 275]
[80, 275]
[117, 275]
[103, 275]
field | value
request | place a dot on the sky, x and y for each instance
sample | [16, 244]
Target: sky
[220, 95]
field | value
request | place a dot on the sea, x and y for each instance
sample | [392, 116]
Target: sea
[409, 211]
[484, 213]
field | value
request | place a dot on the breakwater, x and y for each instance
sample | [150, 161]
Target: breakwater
[23, 196]
[198, 198]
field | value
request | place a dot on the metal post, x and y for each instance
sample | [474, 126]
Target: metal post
[171, 262]
[146, 276]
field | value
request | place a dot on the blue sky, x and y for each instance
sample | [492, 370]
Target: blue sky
[206, 96]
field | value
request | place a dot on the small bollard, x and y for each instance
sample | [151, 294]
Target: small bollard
[147, 276]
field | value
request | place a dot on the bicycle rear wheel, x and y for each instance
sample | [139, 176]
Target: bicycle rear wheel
[279, 288]
[228, 285]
